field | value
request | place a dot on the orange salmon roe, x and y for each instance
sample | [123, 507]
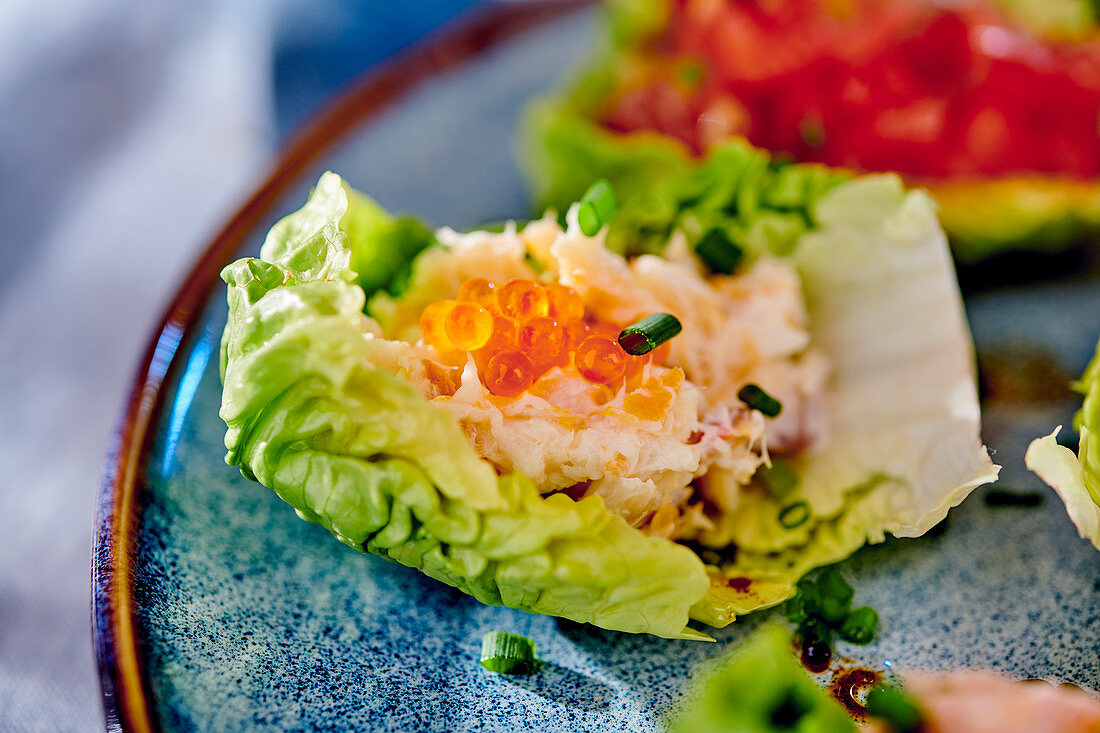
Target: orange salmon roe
[523, 299]
[542, 340]
[600, 359]
[431, 325]
[564, 303]
[519, 330]
[661, 353]
[576, 332]
[508, 374]
[503, 336]
[468, 325]
[606, 329]
[481, 291]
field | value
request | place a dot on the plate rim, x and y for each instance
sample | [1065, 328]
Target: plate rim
[124, 684]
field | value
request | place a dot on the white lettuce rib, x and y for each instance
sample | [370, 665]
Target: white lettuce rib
[886, 308]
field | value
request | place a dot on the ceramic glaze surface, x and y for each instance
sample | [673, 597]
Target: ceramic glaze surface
[250, 618]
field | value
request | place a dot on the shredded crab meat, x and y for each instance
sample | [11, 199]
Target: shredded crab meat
[642, 449]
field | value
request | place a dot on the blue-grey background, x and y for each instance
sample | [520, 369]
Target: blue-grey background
[129, 132]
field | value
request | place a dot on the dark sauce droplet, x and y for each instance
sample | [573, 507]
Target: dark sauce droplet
[816, 655]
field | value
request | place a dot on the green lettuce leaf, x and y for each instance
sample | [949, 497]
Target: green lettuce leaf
[762, 203]
[360, 452]
[1076, 477]
[760, 688]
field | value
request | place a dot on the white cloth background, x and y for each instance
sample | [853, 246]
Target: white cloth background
[128, 133]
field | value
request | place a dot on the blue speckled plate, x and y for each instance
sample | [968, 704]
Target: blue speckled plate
[216, 608]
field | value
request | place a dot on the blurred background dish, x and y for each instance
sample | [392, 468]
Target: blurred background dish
[992, 105]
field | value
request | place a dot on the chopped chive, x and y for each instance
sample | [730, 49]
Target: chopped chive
[810, 595]
[795, 609]
[859, 627]
[794, 515]
[758, 399]
[836, 596]
[507, 653]
[895, 707]
[814, 629]
[649, 333]
[718, 251]
[597, 206]
[779, 479]
[589, 219]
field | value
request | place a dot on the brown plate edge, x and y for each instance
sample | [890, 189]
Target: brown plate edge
[127, 698]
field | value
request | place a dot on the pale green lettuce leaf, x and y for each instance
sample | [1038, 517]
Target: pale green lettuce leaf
[903, 402]
[902, 444]
[1076, 477]
[1068, 476]
[360, 452]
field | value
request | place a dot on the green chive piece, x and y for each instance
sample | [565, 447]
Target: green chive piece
[597, 206]
[795, 609]
[758, 399]
[507, 653]
[649, 333]
[718, 251]
[780, 479]
[814, 629]
[794, 515]
[895, 707]
[836, 597]
[589, 219]
[810, 595]
[859, 627]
